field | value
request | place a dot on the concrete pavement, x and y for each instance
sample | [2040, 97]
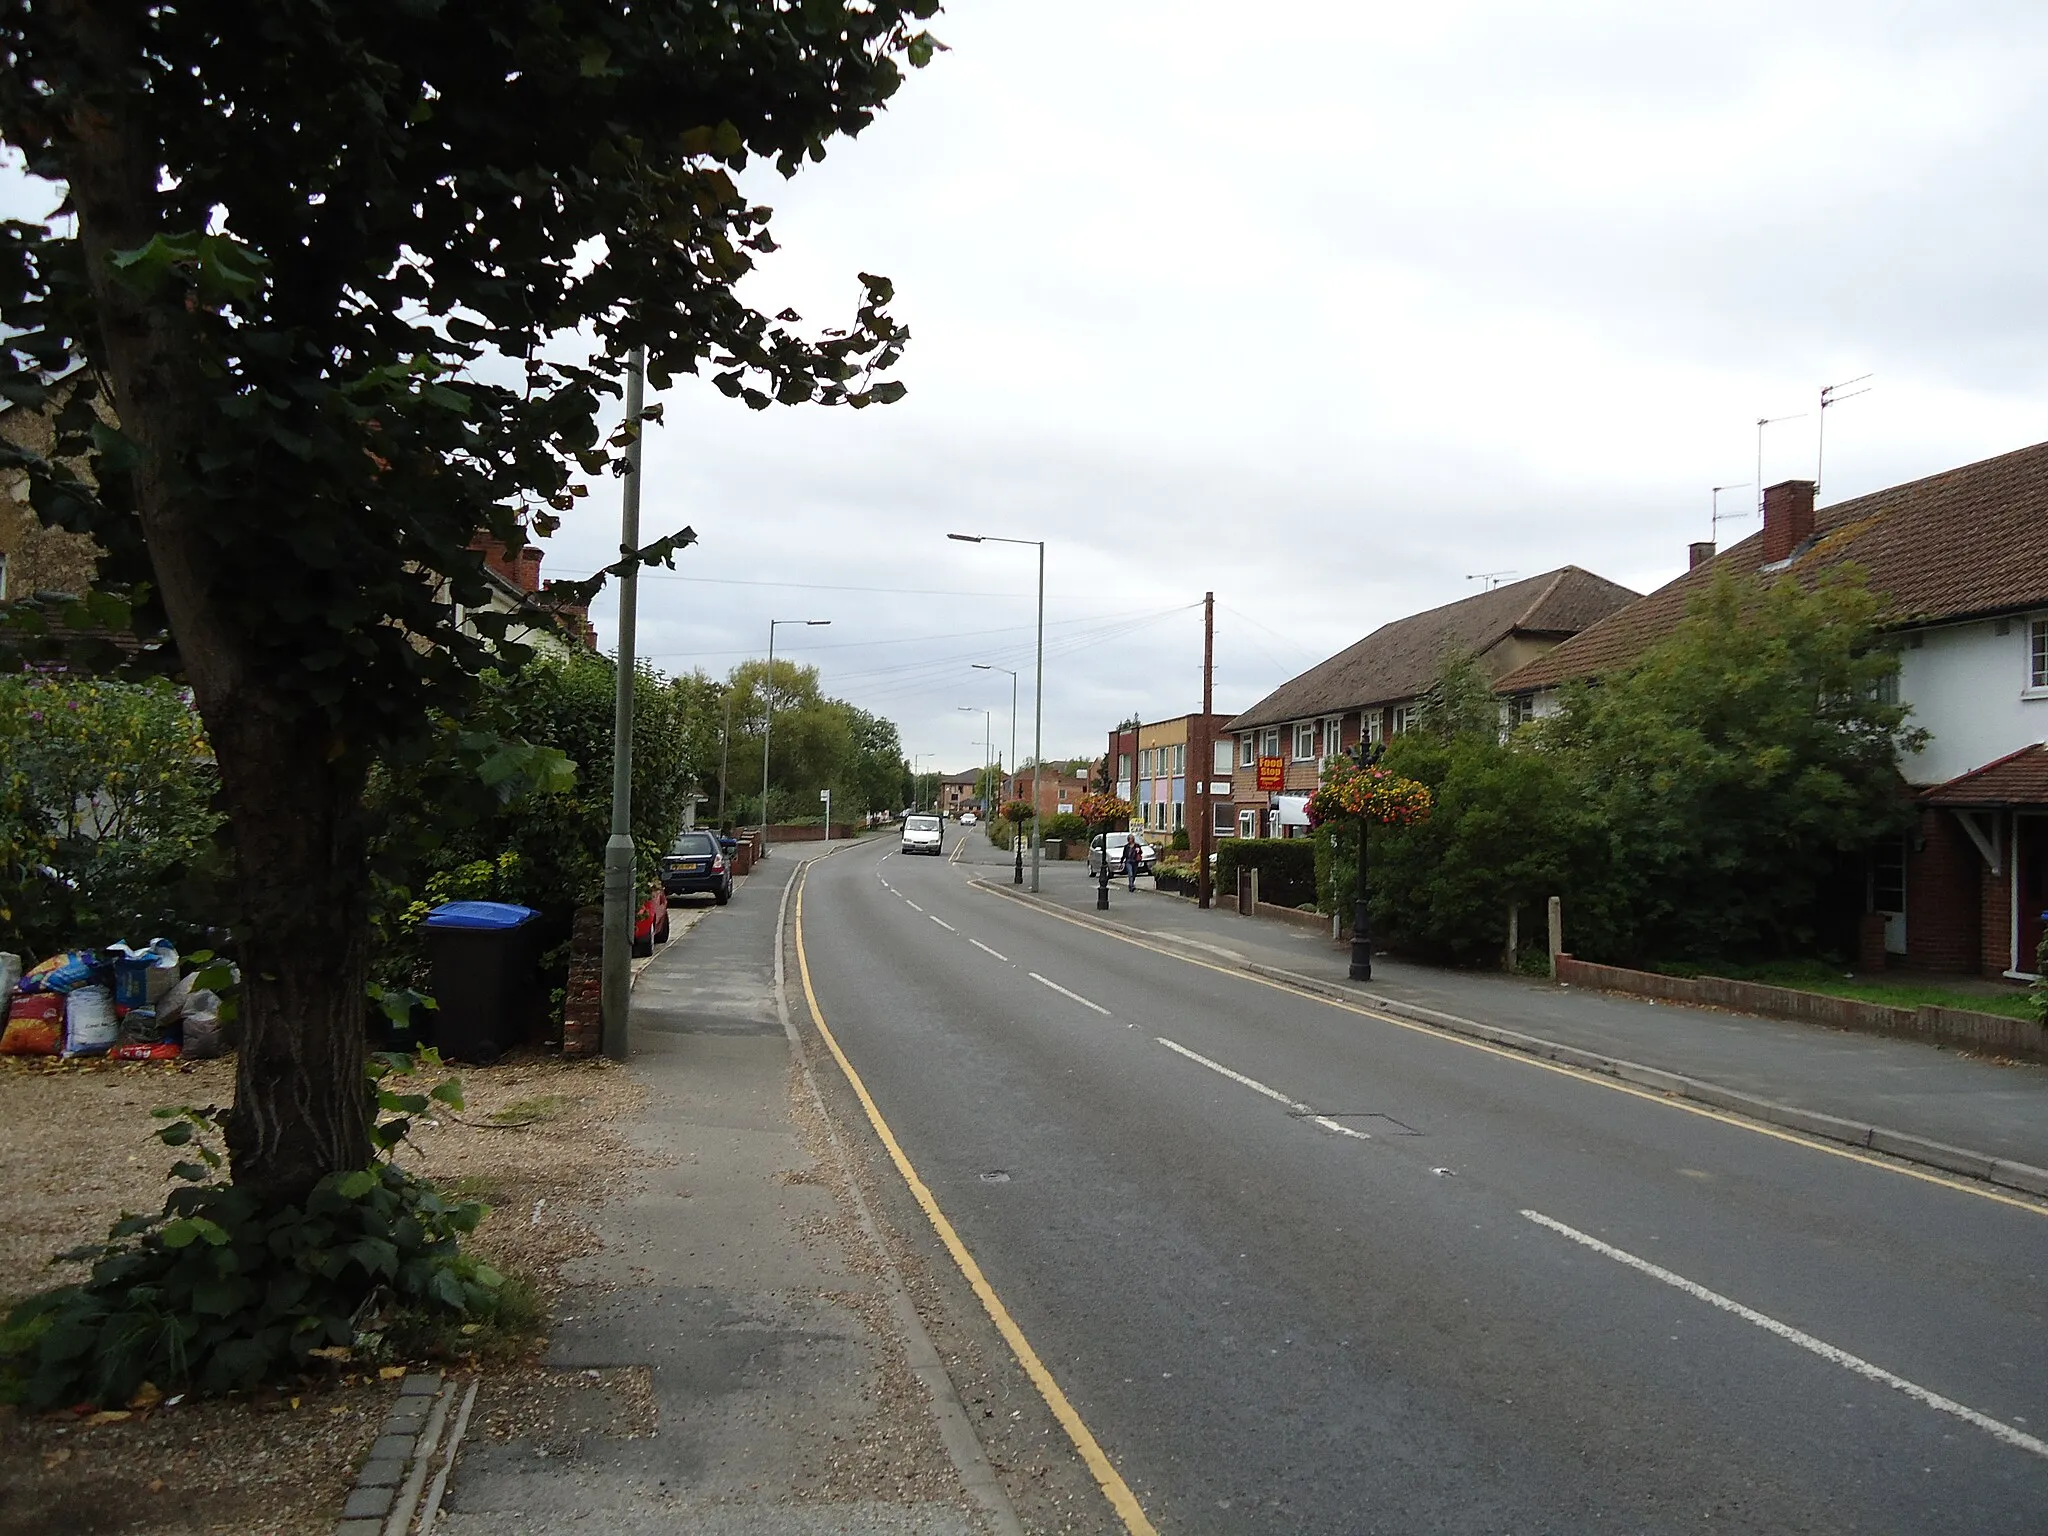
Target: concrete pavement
[1998, 1109]
[748, 1363]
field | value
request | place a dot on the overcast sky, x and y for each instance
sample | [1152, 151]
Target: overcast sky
[1327, 307]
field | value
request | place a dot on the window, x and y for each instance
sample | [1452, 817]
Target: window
[1123, 765]
[1222, 763]
[1221, 818]
[1180, 814]
[1520, 709]
[1247, 751]
[1247, 823]
[1180, 758]
[1888, 876]
[2037, 654]
[1333, 736]
[1373, 733]
[1269, 743]
[1404, 716]
[1887, 689]
[1304, 742]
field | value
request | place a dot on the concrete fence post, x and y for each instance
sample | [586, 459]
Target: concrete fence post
[1556, 933]
[1514, 936]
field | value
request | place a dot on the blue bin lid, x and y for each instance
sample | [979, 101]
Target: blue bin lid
[479, 914]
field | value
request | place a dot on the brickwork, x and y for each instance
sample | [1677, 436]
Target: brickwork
[583, 1001]
[1994, 956]
[1944, 877]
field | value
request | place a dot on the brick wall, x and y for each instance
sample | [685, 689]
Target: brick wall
[583, 1003]
[1944, 879]
[1994, 956]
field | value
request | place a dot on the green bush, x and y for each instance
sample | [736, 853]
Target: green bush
[1178, 843]
[215, 1293]
[2040, 987]
[1286, 866]
[1067, 827]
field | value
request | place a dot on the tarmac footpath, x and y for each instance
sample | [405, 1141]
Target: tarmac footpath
[746, 1357]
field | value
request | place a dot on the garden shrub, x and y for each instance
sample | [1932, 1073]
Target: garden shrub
[216, 1293]
[1286, 866]
[1067, 827]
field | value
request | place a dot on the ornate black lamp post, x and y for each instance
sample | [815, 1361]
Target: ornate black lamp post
[1361, 914]
[1102, 889]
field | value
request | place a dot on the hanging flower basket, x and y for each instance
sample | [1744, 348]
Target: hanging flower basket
[1376, 795]
[1016, 812]
[1099, 810]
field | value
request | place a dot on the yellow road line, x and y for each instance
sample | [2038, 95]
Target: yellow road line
[1598, 1080]
[1118, 1492]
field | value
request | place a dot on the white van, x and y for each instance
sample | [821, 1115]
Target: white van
[923, 834]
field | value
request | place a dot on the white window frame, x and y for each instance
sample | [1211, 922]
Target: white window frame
[1180, 758]
[1403, 721]
[1247, 822]
[1375, 727]
[1247, 750]
[1269, 741]
[1220, 762]
[2037, 658]
[1333, 736]
[1304, 741]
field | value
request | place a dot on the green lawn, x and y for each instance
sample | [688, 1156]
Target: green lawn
[2012, 1001]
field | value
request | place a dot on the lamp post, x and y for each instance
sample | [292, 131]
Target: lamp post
[615, 965]
[1015, 840]
[1361, 915]
[1037, 687]
[768, 725]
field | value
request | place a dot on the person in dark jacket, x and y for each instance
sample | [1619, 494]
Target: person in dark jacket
[1131, 860]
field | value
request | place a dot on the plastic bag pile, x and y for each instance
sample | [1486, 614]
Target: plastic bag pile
[121, 1002]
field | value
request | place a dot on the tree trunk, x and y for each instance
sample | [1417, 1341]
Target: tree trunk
[292, 796]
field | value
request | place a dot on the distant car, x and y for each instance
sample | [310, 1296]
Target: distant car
[968, 818]
[1147, 854]
[698, 865]
[924, 834]
[652, 927]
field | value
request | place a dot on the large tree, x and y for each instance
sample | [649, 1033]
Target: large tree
[350, 284]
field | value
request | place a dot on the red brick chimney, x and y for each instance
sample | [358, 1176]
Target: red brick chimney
[521, 569]
[1788, 518]
[1701, 553]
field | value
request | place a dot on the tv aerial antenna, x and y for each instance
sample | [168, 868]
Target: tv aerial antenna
[1491, 578]
[1761, 423]
[1714, 527]
[1834, 394]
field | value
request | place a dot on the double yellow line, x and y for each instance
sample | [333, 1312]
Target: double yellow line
[1118, 1492]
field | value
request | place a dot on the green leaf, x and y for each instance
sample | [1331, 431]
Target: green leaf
[353, 1186]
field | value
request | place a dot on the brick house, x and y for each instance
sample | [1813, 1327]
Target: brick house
[1060, 786]
[1375, 686]
[960, 792]
[1960, 561]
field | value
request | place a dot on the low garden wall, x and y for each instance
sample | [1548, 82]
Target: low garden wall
[1990, 1032]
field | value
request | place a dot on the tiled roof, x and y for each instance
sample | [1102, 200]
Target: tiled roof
[1965, 542]
[1400, 660]
[2018, 779]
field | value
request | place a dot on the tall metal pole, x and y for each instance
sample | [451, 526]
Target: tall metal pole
[767, 729]
[724, 755]
[615, 987]
[1038, 721]
[1206, 837]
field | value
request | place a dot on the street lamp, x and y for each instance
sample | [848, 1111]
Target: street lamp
[1369, 755]
[983, 666]
[768, 725]
[1037, 687]
[615, 965]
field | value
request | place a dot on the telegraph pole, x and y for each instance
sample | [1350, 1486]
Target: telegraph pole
[1207, 834]
[615, 977]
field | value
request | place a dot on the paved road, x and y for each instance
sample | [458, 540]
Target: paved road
[1300, 1269]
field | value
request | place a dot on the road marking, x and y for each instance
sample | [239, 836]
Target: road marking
[913, 906]
[986, 950]
[1236, 1077]
[1063, 992]
[1806, 1341]
[1114, 1488]
[1523, 1058]
[943, 923]
[1342, 1130]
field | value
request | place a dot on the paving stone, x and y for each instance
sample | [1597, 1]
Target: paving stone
[360, 1528]
[367, 1504]
[392, 1448]
[410, 1410]
[381, 1474]
[427, 1383]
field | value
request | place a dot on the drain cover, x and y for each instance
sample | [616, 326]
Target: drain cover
[995, 1176]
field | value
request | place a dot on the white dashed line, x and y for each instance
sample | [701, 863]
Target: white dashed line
[1806, 1341]
[943, 923]
[1063, 992]
[913, 906]
[987, 951]
[1274, 1094]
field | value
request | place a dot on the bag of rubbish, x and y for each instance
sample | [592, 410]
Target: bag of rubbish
[200, 1020]
[171, 1006]
[140, 1026]
[162, 1051]
[35, 1025]
[62, 973]
[10, 975]
[89, 1023]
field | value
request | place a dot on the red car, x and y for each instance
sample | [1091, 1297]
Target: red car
[652, 928]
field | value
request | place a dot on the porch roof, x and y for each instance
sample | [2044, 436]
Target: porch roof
[2017, 779]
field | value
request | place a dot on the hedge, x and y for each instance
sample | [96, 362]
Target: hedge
[1286, 866]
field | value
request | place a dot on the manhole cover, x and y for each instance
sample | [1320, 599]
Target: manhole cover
[995, 1176]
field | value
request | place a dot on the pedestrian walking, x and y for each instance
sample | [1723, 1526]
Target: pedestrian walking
[1131, 860]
